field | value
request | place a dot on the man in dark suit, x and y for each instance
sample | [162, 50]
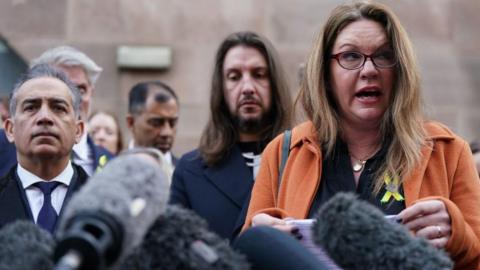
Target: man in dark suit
[84, 73]
[249, 105]
[152, 117]
[44, 125]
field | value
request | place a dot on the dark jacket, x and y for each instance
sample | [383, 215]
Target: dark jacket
[219, 194]
[13, 199]
[174, 160]
[100, 155]
[8, 154]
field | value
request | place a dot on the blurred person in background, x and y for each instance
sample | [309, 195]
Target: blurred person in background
[366, 134]
[475, 147]
[153, 116]
[105, 131]
[249, 105]
[4, 114]
[7, 149]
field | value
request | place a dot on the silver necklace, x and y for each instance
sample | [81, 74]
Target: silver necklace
[358, 164]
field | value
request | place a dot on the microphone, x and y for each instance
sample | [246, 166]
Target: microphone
[25, 246]
[268, 248]
[110, 215]
[358, 236]
[179, 239]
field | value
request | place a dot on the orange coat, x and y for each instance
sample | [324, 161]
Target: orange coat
[447, 172]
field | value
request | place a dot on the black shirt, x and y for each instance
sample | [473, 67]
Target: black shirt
[337, 176]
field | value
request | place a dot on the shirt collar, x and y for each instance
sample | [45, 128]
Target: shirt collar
[81, 148]
[27, 178]
[168, 157]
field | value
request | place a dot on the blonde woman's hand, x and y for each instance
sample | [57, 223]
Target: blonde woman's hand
[277, 223]
[429, 219]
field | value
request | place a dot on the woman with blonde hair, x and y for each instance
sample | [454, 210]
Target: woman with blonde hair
[366, 134]
[105, 131]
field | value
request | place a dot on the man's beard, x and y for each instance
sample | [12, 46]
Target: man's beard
[252, 125]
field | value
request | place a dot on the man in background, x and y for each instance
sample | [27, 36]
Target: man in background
[7, 149]
[152, 117]
[4, 113]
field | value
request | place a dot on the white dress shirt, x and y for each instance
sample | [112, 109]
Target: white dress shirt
[82, 155]
[168, 158]
[35, 195]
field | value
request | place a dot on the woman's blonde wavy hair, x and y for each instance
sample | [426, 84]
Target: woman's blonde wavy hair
[403, 120]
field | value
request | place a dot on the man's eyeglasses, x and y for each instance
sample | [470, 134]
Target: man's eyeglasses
[355, 60]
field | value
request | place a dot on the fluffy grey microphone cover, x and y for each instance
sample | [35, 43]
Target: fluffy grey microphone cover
[115, 188]
[357, 236]
[168, 245]
[25, 246]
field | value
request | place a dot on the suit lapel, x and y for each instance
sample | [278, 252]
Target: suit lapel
[241, 217]
[232, 177]
[93, 151]
[78, 180]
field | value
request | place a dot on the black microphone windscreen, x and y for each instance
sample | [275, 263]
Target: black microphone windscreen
[179, 239]
[130, 192]
[358, 236]
[25, 246]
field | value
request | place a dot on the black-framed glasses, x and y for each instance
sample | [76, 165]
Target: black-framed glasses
[355, 60]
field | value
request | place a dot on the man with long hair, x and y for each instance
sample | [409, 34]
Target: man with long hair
[249, 105]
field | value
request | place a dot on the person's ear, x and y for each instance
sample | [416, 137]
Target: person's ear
[130, 121]
[79, 128]
[8, 126]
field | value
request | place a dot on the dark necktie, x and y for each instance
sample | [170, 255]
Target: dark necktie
[47, 218]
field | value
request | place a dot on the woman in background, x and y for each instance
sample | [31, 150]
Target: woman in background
[105, 131]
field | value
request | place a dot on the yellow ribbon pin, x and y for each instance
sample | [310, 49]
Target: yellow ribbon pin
[102, 161]
[392, 189]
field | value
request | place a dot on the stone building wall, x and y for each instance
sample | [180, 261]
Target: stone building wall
[445, 34]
